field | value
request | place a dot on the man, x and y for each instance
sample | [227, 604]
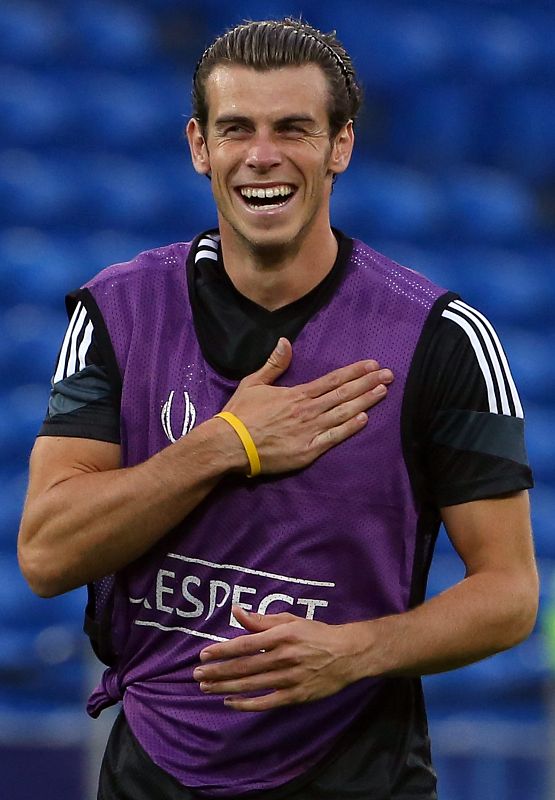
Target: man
[266, 620]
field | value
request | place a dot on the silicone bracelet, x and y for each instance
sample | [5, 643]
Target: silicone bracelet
[246, 440]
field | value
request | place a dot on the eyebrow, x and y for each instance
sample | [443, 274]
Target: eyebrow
[236, 119]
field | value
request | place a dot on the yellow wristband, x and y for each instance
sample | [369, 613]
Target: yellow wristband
[246, 440]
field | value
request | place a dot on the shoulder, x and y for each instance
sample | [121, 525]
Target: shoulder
[166, 259]
[397, 286]
[466, 336]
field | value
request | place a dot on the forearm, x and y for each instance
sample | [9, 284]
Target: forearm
[84, 517]
[482, 615]
[90, 524]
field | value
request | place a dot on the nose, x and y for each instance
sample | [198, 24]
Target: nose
[263, 153]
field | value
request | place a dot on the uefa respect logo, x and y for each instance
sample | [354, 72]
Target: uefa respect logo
[196, 597]
[189, 416]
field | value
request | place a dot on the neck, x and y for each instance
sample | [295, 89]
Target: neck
[273, 277]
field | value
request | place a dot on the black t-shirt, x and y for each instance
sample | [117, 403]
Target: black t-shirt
[464, 425]
[463, 440]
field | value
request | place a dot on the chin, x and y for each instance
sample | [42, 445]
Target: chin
[265, 240]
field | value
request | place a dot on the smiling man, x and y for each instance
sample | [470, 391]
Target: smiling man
[251, 441]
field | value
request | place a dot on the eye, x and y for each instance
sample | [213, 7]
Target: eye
[234, 131]
[292, 130]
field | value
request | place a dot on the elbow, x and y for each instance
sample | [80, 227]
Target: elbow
[36, 568]
[525, 613]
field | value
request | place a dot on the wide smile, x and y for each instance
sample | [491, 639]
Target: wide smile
[263, 199]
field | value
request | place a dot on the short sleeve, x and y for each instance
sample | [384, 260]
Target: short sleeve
[468, 420]
[82, 400]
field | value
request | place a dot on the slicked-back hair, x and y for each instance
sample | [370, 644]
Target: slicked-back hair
[270, 44]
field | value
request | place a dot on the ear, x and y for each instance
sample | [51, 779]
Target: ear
[341, 149]
[197, 145]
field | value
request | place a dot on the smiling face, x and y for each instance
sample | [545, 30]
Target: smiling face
[268, 152]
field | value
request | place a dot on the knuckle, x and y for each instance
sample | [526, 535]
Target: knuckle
[340, 393]
[297, 694]
[341, 414]
[273, 362]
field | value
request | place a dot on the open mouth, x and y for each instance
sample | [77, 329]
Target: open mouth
[259, 198]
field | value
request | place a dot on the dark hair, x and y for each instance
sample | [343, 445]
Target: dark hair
[268, 44]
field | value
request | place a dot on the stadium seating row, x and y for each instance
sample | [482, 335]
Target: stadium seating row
[88, 191]
[405, 43]
[430, 124]
[514, 287]
[458, 150]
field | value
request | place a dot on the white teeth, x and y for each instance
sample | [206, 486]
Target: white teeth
[274, 191]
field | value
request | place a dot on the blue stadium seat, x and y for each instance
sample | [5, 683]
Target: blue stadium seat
[488, 205]
[121, 192]
[31, 358]
[31, 339]
[437, 124]
[189, 195]
[530, 354]
[21, 413]
[403, 44]
[431, 262]
[35, 190]
[12, 495]
[37, 268]
[38, 663]
[447, 567]
[23, 609]
[539, 17]
[106, 247]
[32, 32]
[540, 435]
[490, 45]
[511, 674]
[116, 110]
[381, 200]
[523, 130]
[34, 110]
[111, 33]
[511, 286]
[543, 513]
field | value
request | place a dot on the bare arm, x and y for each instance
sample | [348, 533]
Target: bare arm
[493, 608]
[85, 517]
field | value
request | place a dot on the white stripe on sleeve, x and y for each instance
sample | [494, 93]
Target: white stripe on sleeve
[80, 328]
[84, 346]
[60, 366]
[474, 323]
[72, 361]
[519, 411]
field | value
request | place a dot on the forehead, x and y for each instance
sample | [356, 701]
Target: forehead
[274, 93]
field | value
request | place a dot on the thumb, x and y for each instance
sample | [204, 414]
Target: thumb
[278, 361]
[260, 622]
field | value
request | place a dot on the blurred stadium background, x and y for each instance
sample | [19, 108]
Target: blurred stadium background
[454, 176]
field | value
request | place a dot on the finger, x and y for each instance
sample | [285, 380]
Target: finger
[281, 697]
[346, 411]
[248, 684]
[260, 622]
[336, 378]
[354, 389]
[245, 645]
[333, 436]
[278, 361]
[240, 667]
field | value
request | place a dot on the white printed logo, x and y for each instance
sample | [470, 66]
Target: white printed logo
[189, 416]
[188, 594]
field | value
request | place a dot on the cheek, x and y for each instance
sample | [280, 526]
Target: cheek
[218, 183]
